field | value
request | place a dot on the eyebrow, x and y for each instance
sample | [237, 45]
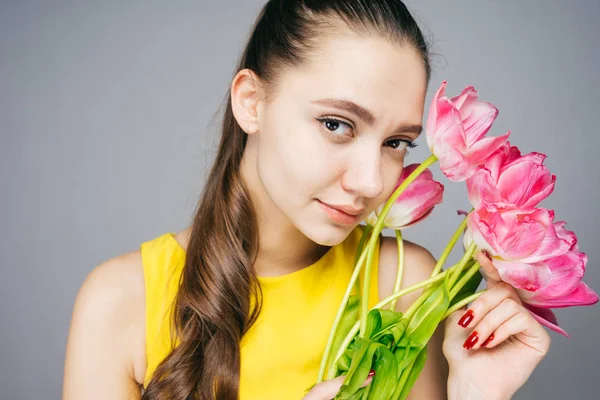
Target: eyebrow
[364, 114]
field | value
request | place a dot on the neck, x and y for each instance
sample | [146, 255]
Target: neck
[283, 249]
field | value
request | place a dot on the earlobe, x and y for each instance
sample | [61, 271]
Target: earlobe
[245, 91]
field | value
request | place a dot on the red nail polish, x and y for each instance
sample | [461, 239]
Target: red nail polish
[489, 339]
[466, 318]
[371, 373]
[471, 340]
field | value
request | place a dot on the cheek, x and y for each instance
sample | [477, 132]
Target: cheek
[391, 172]
[293, 162]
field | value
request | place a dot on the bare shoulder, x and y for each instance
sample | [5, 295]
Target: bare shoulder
[418, 266]
[105, 355]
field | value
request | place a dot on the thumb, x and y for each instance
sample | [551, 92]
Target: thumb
[327, 390]
[488, 269]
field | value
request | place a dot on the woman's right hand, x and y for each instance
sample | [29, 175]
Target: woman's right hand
[327, 390]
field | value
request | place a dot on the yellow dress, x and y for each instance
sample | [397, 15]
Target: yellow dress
[281, 352]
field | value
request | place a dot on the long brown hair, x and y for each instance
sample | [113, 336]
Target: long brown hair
[213, 307]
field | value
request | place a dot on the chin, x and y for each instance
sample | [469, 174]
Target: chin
[326, 234]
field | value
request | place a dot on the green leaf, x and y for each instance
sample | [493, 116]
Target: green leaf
[349, 318]
[359, 368]
[422, 325]
[406, 351]
[396, 330]
[366, 391]
[402, 381]
[386, 372]
[343, 364]
[359, 394]
[469, 288]
[427, 317]
[379, 320]
[413, 373]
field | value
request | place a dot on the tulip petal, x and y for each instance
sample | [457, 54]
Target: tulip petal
[529, 277]
[448, 127]
[583, 295]
[468, 94]
[431, 122]
[482, 149]
[526, 181]
[553, 244]
[453, 164]
[481, 186]
[477, 120]
[545, 317]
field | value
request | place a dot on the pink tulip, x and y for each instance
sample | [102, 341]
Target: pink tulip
[564, 287]
[546, 317]
[526, 236]
[509, 180]
[538, 257]
[415, 203]
[455, 129]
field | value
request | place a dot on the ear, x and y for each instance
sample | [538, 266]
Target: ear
[245, 99]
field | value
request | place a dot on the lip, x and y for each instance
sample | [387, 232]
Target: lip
[355, 212]
[342, 214]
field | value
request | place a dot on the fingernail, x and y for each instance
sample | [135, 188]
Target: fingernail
[487, 254]
[489, 339]
[371, 373]
[466, 318]
[471, 340]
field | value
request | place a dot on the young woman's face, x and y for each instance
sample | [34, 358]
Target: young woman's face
[336, 133]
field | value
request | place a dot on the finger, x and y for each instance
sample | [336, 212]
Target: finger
[491, 322]
[488, 269]
[328, 389]
[525, 329]
[486, 302]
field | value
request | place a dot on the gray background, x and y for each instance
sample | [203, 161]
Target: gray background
[107, 128]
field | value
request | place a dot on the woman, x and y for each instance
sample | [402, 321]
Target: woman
[327, 98]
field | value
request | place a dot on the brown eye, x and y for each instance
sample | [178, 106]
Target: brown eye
[335, 126]
[401, 144]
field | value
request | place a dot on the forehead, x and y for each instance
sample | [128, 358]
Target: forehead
[384, 77]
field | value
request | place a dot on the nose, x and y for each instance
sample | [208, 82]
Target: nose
[363, 176]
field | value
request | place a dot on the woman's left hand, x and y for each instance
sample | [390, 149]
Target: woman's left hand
[498, 369]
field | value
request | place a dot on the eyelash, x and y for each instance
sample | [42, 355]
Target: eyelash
[410, 143]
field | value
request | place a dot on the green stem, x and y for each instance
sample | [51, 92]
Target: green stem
[361, 242]
[364, 309]
[455, 272]
[463, 281]
[400, 266]
[463, 261]
[347, 340]
[339, 314]
[459, 231]
[462, 303]
[359, 251]
[438, 266]
[412, 288]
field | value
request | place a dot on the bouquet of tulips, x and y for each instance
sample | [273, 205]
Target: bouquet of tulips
[531, 251]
